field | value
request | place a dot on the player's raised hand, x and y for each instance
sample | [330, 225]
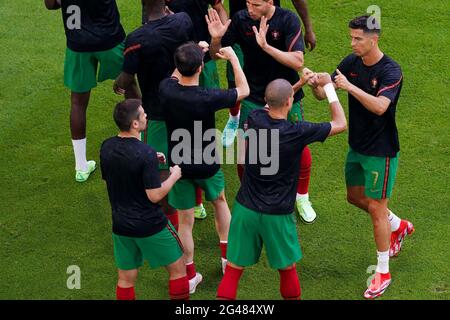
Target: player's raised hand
[310, 40]
[161, 157]
[204, 45]
[175, 172]
[261, 33]
[215, 26]
[226, 53]
[341, 81]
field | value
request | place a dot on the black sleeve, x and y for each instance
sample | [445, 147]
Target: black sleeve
[313, 132]
[390, 82]
[188, 27]
[131, 54]
[294, 38]
[230, 36]
[150, 171]
[222, 99]
[344, 66]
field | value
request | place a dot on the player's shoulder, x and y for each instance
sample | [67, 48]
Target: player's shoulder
[351, 59]
[166, 85]
[139, 34]
[181, 18]
[286, 15]
[391, 64]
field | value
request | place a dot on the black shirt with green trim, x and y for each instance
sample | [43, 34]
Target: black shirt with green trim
[285, 34]
[190, 120]
[129, 167]
[92, 25]
[371, 134]
[270, 187]
[149, 53]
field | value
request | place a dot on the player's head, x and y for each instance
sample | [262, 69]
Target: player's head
[189, 59]
[279, 94]
[259, 8]
[365, 33]
[154, 5]
[129, 115]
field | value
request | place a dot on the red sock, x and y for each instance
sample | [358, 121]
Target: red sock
[190, 270]
[125, 293]
[235, 110]
[173, 218]
[198, 196]
[179, 289]
[228, 286]
[305, 171]
[223, 249]
[240, 170]
[289, 284]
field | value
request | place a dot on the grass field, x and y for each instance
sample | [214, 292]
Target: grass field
[49, 222]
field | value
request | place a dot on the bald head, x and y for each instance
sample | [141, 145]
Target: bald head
[278, 93]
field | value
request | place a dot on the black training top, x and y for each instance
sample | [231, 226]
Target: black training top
[238, 5]
[274, 191]
[370, 134]
[149, 54]
[92, 25]
[129, 167]
[190, 109]
[285, 34]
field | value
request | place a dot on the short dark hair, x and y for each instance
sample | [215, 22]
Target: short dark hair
[278, 92]
[362, 22]
[188, 58]
[126, 112]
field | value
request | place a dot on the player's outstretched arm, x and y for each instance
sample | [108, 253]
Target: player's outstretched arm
[156, 195]
[217, 30]
[338, 120]
[52, 4]
[219, 7]
[242, 87]
[307, 75]
[302, 9]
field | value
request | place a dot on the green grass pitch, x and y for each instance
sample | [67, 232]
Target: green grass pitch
[49, 222]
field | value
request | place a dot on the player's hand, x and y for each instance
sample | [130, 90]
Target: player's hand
[117, 89]
[175, 172]
[215, 27]
[168, 11]
[204, 45]
[227, 53]
[261, 33]
[310, 40]
[341, 81]
[161, 157]
[323, 79]
[307, 76]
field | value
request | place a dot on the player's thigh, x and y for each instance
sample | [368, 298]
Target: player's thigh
[354, 172]
[213, 186]
[244, 238]
[111, 62]
[209, 78]
[155, 135]
[182, 194]
[162, 248]
[80, 71]
[280, 238]
[380, 173]
[246, 107]
[127, 254]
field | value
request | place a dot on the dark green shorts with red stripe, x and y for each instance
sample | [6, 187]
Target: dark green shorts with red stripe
[376, 174]
[160, 249]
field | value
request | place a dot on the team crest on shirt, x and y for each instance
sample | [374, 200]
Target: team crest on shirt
[374, 83]
[276, 35]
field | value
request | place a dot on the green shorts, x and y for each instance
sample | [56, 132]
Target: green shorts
[249, 230]
[237, 49]
[159, 250]
[209, 78]
[295, 115]
[376, 174]
[182, 195]
[80, 68]
[156, 136]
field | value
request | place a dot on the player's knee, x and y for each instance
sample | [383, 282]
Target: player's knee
[352, 199]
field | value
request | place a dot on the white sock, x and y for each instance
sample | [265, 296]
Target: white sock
[383, 262]
[302, 196]
[394, 221]
[79, 149]
[236, 117]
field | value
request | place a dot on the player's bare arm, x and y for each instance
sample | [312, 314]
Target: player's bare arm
[302, 9]
[307, 75]
[338, 120]
[293, 60]
[52, 4]
[377, 105]
[156, 195]
[242, 87]
[223, 15]
[217, 30]
[122, 83]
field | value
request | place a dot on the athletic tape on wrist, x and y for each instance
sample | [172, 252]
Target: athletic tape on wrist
[331, 93]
